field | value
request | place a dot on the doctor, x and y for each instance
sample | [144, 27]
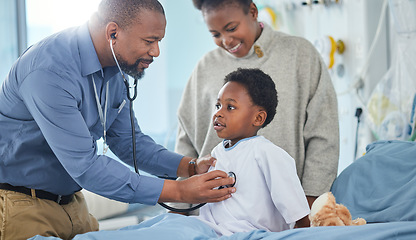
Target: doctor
[62, 95]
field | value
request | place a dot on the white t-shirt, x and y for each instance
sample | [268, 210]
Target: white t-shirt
[269, 195]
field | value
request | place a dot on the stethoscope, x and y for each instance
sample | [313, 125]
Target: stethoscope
[131, 99]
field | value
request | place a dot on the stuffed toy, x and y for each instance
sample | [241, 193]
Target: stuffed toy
[326, 212]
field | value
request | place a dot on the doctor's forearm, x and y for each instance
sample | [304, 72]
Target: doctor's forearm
[170, 192]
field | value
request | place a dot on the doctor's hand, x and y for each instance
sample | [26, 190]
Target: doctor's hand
[198, 188]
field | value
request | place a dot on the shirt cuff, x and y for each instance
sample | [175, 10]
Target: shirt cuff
[149, 190]
[168, 163]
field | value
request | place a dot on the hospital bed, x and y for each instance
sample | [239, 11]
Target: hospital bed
[380, 187]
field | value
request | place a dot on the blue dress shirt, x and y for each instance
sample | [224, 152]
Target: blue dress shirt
[49, 125]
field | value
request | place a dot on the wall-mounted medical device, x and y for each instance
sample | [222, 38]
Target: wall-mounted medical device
[328, 47]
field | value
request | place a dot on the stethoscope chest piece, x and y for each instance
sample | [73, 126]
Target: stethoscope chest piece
[230, 174]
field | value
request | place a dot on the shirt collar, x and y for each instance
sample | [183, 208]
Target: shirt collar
[226, 142]
[89, 59]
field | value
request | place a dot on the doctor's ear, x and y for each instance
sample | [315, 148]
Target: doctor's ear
[260, 118]
[111, 30]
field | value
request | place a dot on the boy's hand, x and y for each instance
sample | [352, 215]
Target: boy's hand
[204, 163]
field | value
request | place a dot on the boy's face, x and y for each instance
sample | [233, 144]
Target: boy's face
[232, 29]
[236, 115]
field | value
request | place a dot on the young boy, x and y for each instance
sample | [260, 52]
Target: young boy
[269, 195]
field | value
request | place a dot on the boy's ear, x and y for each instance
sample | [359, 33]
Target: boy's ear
[260, 118]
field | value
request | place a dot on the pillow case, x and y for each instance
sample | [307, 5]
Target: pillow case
[381, 185]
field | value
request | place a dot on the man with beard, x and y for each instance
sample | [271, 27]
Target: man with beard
[60, 97]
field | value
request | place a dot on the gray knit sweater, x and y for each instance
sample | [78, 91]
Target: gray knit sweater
[306, 122]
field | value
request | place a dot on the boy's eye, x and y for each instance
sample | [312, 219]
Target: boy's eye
[215, 35]
[229, 107]
[217, 106]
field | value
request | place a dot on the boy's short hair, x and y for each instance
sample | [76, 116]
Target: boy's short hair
[259, 86]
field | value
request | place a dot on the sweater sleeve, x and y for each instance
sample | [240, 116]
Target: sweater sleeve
[186, 124]
[321, 131]
[183, 143]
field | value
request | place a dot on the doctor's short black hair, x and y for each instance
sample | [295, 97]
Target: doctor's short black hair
[259, 86]
[215, 4]
[125, 12]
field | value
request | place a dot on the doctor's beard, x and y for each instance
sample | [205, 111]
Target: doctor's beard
[132, 69]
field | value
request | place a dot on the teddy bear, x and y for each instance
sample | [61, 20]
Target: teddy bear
[326, 212]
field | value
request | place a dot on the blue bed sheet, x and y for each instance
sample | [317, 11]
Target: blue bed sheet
[177, 227]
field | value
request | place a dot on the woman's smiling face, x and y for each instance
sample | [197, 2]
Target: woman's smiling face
[232, 29]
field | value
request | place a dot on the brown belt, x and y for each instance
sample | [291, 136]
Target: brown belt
[60, 199]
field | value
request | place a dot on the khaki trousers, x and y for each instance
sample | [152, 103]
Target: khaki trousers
[23, 216]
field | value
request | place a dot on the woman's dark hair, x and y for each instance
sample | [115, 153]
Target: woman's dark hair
[259, 86]
[125, 12]
[214, 4]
